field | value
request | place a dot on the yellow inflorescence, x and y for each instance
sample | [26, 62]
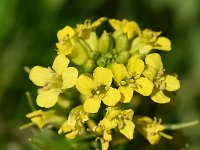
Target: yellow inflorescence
[109, 70]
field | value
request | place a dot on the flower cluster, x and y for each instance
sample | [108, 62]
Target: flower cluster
[107, 71]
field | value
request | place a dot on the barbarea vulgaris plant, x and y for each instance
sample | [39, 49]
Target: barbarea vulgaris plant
[107, 72]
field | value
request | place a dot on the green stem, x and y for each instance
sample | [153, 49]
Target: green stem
[30, 101]
[169, 137]
[26, 126]
[27, 69]
[180, 125]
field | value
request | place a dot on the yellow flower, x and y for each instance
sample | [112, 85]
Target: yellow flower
[150, 129]
[74, 124]
[122, 119]
[149, 40]
[98, 89]
[162, 82]
[105, 139]
[129, 79]
[65, 37]
[54, 81]
[131, 28]
[43, 118]
[83, 30]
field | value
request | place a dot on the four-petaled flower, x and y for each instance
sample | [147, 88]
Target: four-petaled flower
[162, 82]
[98, 89]
[131, 28]
[54, 81]
[43, 118]
[122, 119]
[74, 124]
[151, 129]
[129, 79]
[147, 41]
[66, 39]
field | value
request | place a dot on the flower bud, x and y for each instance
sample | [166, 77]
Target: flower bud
[123, 57]
[105, 42]
[92, 41]
[122, 42]
[80, 52]
[101, 62]
[89, 66]
[94, 55]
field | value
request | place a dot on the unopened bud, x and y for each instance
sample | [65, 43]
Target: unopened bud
[94, 55]
[105, 42]
[101, 62]
[122, 42]
[89, 66]
[80, 52]
[123, 57]
[92, 41]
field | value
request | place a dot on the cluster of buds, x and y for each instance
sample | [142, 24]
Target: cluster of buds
[106, 71]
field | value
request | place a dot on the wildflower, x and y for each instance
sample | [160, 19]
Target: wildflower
[129, 79]
[98, 89]
[162, 82]
[149, 40]
[150, 129]
[131, 28]
[66, 38]
[54, 81]
[43, 118]
[74, 124]
[121, 119]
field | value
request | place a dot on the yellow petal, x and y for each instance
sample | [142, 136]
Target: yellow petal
[126, 93]
[159, 97]
[60, 63]
[108, 124]
[72, 135]
[145, 49]
[69, 76]
[64, 48]
[65, 32]
[92, 105]
[172, 83]
[144, 87]
[64, 128]
[132, 29]
[99, 22]
[112, 112]
[163, 43]
[150, 73]
[115, 23]
[40, 76]
[135, 65]
[103, 76]
[104, 145]
[153, 138]
[128, 129]
[119, 72]
[154, 60]
[85, 85]
[35, 113]
[48, 98]
[39, 121]
[112, 97]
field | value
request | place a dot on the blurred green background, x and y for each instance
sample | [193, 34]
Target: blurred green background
[28, 35]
